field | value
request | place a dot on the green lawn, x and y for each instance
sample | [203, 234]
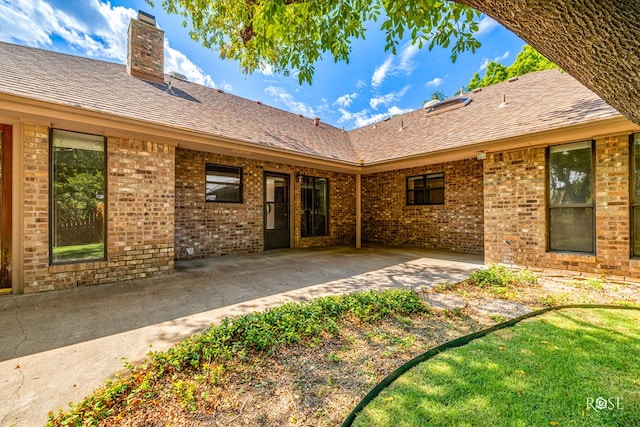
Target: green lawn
[573, 367]
[78, 252]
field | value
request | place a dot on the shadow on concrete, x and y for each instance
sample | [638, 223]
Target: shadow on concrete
[35, 323]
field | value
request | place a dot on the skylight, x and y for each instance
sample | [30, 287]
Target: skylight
[446, 105]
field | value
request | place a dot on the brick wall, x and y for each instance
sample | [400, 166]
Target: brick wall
[214, 229]
[514, 207]
[141, 209]
[515, 213]
[145, 51]
[457, 225]
[139, 216]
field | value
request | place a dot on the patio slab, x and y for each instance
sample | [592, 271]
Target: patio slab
[57, 347]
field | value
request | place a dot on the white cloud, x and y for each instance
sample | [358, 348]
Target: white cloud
[383, 100]
[389, 67]
[174, 60]
[361, 118]
[37, 23]
[485, 61]
[406, 58]
[390, 98]
[396, 111]
[266, 69]
[437, 81]
[366, 117]
[380, 73]
[346, 100]
[486, 25]
[360, 84]
[294, 106]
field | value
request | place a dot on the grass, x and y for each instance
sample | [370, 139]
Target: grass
[570, 367]
[78, 252]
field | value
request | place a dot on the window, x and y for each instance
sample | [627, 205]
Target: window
[635, 195]
[425, 189]
[571, 212]
[315, 207]
[224, 184]
[78, 197]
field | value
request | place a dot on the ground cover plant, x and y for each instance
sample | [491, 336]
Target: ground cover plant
[568, 367]
[311, 363]
[189, 374]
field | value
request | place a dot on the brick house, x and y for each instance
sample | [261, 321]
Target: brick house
[113, 172]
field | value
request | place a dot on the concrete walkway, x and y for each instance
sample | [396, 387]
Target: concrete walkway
[57, 347]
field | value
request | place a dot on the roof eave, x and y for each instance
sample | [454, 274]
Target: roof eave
[616, 125]
[83, 119]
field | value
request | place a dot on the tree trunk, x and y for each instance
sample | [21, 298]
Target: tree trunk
[596, 41]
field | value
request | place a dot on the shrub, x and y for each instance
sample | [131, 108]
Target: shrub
[237, 337]
[501, 276]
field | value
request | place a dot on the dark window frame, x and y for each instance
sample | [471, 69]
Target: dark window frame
[224, 168]
[633, 203]
[51, 201]
[312, 233]
[426, 189]
[591, 205]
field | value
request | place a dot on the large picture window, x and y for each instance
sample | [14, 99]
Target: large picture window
[425, 189]
[315, 206]
[635, 195]
[78, 197]
[223, 184]
[571, 204]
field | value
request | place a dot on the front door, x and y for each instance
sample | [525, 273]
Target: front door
[276, 211]
[5, 208]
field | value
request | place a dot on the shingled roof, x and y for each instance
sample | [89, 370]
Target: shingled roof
[535, 102]
[107, 88]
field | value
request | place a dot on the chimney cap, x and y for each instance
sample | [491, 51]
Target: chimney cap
[146, 17]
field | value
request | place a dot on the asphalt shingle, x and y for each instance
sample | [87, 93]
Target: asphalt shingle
[536, 102]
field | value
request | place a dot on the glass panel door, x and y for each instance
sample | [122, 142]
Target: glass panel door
[5, 208]
[276, 211]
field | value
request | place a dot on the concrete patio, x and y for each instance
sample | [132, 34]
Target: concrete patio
[57, 347]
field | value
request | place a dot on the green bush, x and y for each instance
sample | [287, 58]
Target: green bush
[238, 337]
[500, 276]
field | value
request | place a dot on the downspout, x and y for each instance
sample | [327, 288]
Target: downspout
[358, 211]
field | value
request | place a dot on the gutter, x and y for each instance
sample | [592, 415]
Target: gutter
[66, 116]
[611, 126]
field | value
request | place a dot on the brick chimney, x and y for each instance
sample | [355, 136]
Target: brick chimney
[145, 50]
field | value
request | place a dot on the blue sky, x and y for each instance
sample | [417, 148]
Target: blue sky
[373, 86]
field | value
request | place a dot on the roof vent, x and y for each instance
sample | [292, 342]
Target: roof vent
[316, 121]
[220, 90]
[504, 102]
[178, 76]
[448, 105]
[512, 79]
